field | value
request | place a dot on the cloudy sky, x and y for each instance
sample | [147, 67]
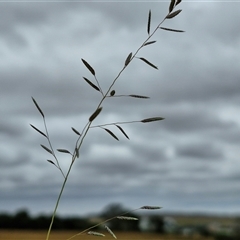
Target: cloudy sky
[188, 162]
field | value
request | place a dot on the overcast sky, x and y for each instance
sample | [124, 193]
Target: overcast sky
[188, 162]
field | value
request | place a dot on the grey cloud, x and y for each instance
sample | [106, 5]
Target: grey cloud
[20, 160]
[9, 129]
[193, 119]
[201, 150]
[196, 89]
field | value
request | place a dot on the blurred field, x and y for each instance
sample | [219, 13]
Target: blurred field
[63, 235]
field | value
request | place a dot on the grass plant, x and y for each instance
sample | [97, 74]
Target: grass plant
[99, 110]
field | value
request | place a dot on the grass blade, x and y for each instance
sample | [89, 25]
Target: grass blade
[38, 131]
[171, 6]
[172, 30]
[111, 133]
[88, 67]
[78, 133]
[47, 149]
[172, 15]
[178, 1]
[150, 207]
[153, 119]
[91, 84]
[39, 109]
[148, 43]
[138, 96]
[127, 218]
[128, 59]
[96, 234]
[50, 161]
[63, 151]
[95, 114]
[110, 231]
[150, 64]
[122, 131]
[149, 22]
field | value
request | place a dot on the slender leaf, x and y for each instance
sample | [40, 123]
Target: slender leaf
[138, 96]
[96, 234]
[128, 59]
[88, 67]
[91, 84]
[127, 218]
[150, 207]
[173, 14]
[38, 130]
[172, 30]
[122, 131]
[51, 162]
[111, 133]
[63, 150]
[149, 22]
[95, 114]
[47, 149]
[39, 109]
[153, 119]
[112, 93]
[148, 43]
[110, 231]
[178, 1]
[150, 64]
[78, 133]
[171, 6]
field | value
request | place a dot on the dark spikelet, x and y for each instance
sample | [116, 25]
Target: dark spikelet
[128, 59]
[110, 231]
[171, 6]
[138, 96]
[96, 234]
[88, 67]
[78, 133]
[150, 64]
[91, 84]
[127, 218]
[178, 1]
[63, 150]
[112, 93]
[39, 109]
[111, 133]
[122, 131]
[153, 119]
[47, 149]
[38, 130]
[173, 14]
[95, 114]
[149, 22]
[50, 161]
[150, 207]
[148, 43]
[172, 30]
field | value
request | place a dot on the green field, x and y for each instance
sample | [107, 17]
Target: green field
[63, 235]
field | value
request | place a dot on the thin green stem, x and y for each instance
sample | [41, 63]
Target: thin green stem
[65, 181]
[115, 123]
[99, 85]
[50, 144]
[58, 200]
